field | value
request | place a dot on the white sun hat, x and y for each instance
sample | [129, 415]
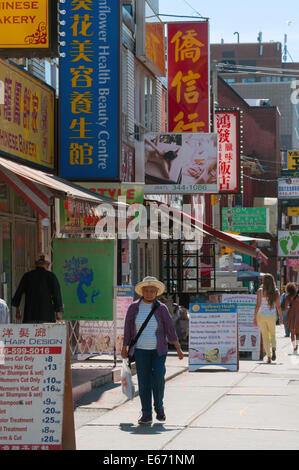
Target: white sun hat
[150, 281]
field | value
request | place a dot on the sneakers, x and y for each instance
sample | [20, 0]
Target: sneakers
[160, 415]
[145, 419]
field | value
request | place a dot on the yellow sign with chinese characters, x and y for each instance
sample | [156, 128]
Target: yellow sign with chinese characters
[293, 211]
[24, 24]
[26, 117]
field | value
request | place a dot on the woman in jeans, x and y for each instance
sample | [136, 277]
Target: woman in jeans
[151, 349]
[268, 301]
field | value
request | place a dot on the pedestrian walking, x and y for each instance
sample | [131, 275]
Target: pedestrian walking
[268, 302]
[151, 348]
[284, 314]
[4, 312]
[43, 302]
[291, 302]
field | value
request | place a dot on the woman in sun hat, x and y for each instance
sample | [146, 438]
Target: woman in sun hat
[151, 348]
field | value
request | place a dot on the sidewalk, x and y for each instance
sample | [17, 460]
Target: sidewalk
[212, 409]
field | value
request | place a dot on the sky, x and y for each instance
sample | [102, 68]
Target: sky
[274, 18]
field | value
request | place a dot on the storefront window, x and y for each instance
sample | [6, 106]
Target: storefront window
[4, 197]
[22, 208]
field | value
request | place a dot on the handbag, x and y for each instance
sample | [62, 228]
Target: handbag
[134, 341]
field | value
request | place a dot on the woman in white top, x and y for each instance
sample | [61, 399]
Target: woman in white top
[268, 301]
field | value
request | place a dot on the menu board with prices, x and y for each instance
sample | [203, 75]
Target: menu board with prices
[249, 334]
[213, 336]
[32, 373]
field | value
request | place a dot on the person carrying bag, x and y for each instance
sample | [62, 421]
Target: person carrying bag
[149, 346]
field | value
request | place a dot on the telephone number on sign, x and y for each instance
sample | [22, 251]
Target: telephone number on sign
[30, 350]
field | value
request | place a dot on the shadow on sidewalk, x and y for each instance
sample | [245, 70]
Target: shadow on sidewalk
[156, 428]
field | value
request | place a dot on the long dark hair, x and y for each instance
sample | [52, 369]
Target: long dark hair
[269, 289]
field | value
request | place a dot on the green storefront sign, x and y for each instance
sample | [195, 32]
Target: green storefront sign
[85, 270]
[246, 220]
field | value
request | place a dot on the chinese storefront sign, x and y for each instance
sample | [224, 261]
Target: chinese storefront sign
[213, 337]
[246, 219]
[188, 77]
[32, 366]
[229, 159]
[26, 117]
[181, 163]
[249, 334]
[85, 270]
[28, 28]
[90, 90]
[293, 160]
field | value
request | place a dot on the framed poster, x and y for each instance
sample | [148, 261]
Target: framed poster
[85, 268]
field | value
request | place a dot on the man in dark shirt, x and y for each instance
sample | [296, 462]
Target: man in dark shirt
[43, 302]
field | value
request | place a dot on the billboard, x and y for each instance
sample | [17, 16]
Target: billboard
[188, 77]
[90, 90]
[227, 124]
[293, 160]
[26, 117]
[181, 163]
[288, 188]
[28, 29]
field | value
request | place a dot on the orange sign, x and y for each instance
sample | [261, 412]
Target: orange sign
[188, 77]
[24, 24]
[154, 45]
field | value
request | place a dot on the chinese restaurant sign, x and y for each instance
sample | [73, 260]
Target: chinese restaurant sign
[85, 270]
[28, 28]
[181, 163]
[188, 77]
[229, 158]
[32, 378]
[90, 90]
[27, 117]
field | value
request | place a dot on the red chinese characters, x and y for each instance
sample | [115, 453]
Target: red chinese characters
[188, 77]
[228, 144]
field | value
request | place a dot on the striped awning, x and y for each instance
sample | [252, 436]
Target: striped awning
[38, 187]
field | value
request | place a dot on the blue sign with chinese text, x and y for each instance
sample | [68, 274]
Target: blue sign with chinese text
[90, 90]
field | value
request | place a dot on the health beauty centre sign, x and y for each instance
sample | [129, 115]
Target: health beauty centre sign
[90, 90]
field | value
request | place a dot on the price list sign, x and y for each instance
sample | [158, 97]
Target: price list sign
[213, 336]
[32, 370]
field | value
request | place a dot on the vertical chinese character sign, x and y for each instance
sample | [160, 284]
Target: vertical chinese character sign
[90, 90]
[228, 144]
[188, 77]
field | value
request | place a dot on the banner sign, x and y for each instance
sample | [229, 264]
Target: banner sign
[124, 298]
[85, 270]
[288, 243]
[229, 151]
[181, 163]
[27, 117]
[288, 188]
[28, 29]
[32, 375]
[188, 77]
[246, 219]
[213, 336]
[249, 334]
[90, 90]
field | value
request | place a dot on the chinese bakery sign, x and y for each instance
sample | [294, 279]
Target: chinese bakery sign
[28, 28]
[188, 77]
[228, 146]
[26, 117]
[90, 90]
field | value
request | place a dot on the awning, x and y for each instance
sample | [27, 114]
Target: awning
[37, 187]
[223, 238]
